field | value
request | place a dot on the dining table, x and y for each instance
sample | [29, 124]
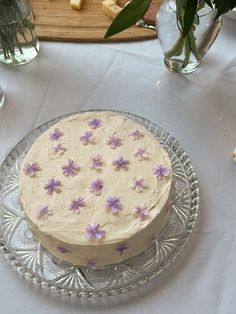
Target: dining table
[198, 109]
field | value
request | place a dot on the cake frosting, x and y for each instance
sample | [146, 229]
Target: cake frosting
[95, 188]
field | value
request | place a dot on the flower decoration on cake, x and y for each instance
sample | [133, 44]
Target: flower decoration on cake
[120, 163]
[113, 204]
[70, 168]
[121, 247]
[58, 149]
[95, 123]
[141, 212]
[161, 171]
[91, 262]
[138, 184]
[55, 135]
[114, 141]
[76, 204]
[94, 232]
[43, 212]
[96, 186]
[86, 138]
[141, 154]
[53, 185]
[96, 162]
[62, 249]
[135, 134]
[30, 169]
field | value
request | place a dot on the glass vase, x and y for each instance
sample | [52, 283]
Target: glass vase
[18, 40]
[183, 55]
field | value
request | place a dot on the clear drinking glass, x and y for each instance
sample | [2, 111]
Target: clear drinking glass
[18, 40]
[2, 98]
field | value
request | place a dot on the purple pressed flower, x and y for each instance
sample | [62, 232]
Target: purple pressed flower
[55, 135]
[76, 204]
[141, 212]
[95, 123]
[43, 212]
[96, 186]
[120, 163]
[93, 231]
[58, 148]
[86, 137]
[96, 162]
[31, 169]
[53, 186]
[141, 154]
[135, 134]
[62, 249]
[114, 141]
[113, 204]
[91, 262]
[138, 184]
[121, 247]
[161, 171]
[70, 169]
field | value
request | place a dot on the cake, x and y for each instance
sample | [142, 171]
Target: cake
[95, 188]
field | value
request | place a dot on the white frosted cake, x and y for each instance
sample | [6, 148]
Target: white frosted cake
[95, 188]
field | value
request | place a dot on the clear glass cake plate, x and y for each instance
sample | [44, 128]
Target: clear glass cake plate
[36, 265]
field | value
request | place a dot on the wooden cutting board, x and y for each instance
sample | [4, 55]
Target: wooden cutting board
[56, 20]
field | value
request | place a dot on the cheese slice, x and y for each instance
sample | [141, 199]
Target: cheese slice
[110, 8]
[109, 2]
[76, 4]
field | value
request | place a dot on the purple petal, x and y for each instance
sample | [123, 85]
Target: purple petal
[135, 134]
[96, 162]
[165, 171]
[161, 171]
[90, 262]
[90, 228]
[98, 235]
[55, 135]
[114, 141]
[95, 123]
[62, 249]
[31, 169]
[86, 137]
[94, 232]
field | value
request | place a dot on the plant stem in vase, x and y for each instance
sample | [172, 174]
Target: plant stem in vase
[183, 53]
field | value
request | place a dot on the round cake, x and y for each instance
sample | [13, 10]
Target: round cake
[95, 188]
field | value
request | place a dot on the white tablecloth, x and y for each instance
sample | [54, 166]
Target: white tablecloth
[199, 110]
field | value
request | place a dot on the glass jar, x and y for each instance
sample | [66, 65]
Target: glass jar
[2, 98]
[184, 55]
[18, 40]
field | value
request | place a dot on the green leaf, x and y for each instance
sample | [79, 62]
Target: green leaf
[224, 6]
[209, 2]
[130, 14]
[189, 15]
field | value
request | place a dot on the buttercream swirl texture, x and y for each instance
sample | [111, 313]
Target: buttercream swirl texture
[103, 195]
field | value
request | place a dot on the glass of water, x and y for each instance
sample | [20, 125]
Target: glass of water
[2, 98]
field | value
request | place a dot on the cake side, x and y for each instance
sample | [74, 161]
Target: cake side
[107, 170]
[104, 254]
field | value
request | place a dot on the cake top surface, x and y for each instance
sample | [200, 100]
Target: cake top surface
[94, 177]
